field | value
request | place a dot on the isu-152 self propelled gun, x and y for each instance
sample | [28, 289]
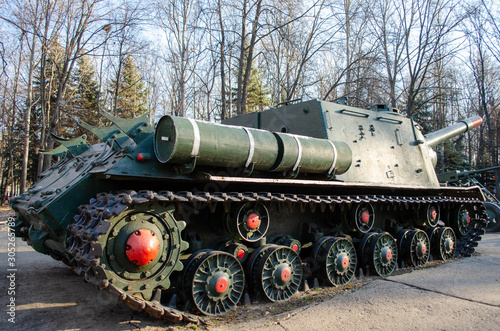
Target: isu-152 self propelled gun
[190, 215]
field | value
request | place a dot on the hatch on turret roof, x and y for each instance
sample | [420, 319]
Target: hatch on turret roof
[382, 107]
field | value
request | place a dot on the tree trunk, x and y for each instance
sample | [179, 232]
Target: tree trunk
[223, 113]
[248, 66]
[347, 10]
[241, 61]
[27, 118]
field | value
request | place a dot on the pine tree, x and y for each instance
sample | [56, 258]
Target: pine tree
[258, 92]
[131, 98]
[453, 157]
[87, 90]
[83, 92]
[258, 97]
[45, 87]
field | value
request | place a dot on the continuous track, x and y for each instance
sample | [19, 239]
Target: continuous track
[85, 250]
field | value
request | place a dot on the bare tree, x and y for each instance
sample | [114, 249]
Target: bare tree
[293, 43]
[179, 20]
[485, 79]
[126, 23]
[492, 20]
[427, 26]
[9, 111]
[390, 35]
[353, 19]
[222, 62]
[28, 20]
[248, 41]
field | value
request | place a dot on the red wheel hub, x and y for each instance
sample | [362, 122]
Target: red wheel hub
[241, 254]
[365, 216]
[295, 247]
[434, 214]
[449, 245]
[342, 262]
[221, 285]
[285, 274]
[253, 221]
[282, 274]
[388, 255]
[421, 249]
[345, 261]
[142, 247]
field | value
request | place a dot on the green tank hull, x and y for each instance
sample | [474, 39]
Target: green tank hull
[197, 214]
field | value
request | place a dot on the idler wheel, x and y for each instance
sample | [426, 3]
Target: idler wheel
[213, 281]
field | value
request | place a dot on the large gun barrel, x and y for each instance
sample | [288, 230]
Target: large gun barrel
[435, 138]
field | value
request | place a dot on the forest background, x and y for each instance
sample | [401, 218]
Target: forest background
[67, 60]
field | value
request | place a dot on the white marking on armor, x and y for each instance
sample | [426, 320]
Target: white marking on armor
[332, 168]
[251, 149]
[196, 139]
[299, 157]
